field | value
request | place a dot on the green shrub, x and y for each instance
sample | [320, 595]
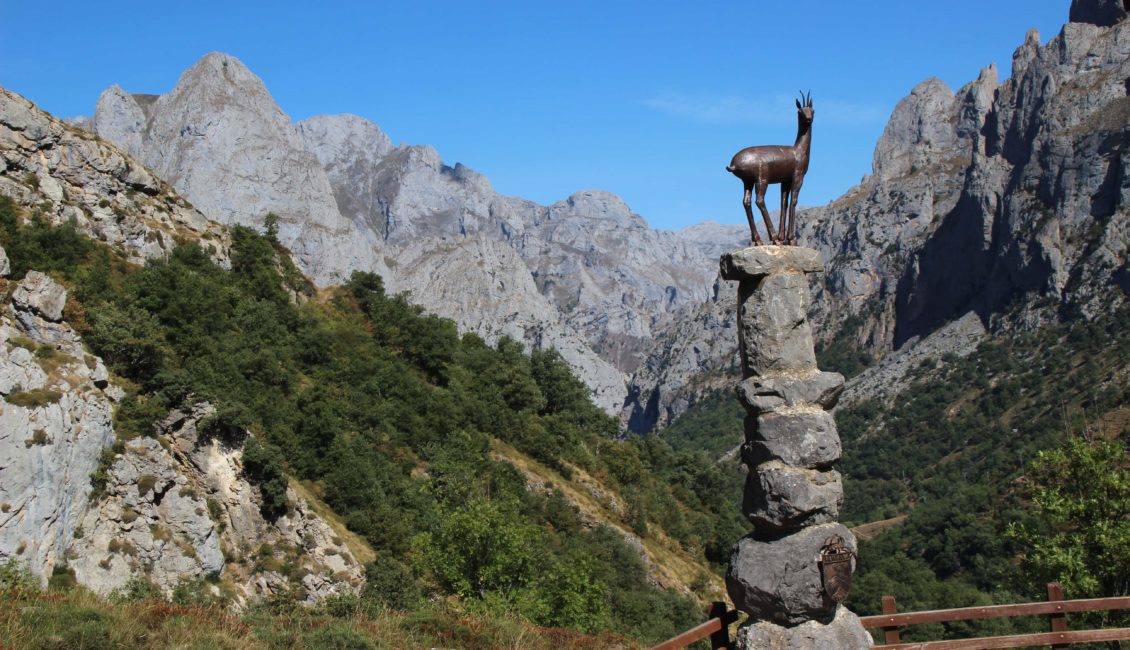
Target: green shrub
[34, 398]
[390, 583]
[145, 484]
[62, 578]
[15, 576]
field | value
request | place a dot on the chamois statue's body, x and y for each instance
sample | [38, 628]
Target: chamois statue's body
[760, 167]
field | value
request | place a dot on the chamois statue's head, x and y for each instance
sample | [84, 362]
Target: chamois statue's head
[804, 107]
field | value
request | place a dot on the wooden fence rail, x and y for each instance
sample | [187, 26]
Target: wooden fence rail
[1055, 609]
[717, 628]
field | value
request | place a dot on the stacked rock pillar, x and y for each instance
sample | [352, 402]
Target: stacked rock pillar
[792, 493]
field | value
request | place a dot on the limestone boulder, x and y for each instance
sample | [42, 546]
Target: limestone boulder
[844, 632]
[776, 577]
[780, 497]
[801, 437]
[40, 294]
[768, 394]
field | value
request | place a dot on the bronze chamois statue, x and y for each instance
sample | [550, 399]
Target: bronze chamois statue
[759, 167]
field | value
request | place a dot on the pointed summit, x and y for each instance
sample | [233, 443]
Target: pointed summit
[219, 137]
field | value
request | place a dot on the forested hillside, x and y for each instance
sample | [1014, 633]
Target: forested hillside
[426, 443]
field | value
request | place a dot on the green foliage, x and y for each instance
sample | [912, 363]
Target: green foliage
[15, 576]
[62, 578]
[136, 589]
[262, 465]
[482, 548]
[145, 483]
[1079, 533]
[390, 583]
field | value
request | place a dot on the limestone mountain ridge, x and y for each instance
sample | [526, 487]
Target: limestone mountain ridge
[585, 275]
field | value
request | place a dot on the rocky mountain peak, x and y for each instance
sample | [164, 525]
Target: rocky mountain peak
[120, 119]
[598, 204]
[920, 126]
[219, 138]
[1103, 13]
[344, 140]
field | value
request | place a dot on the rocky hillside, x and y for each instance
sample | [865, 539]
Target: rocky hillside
[77, 498]
[66, 174]
[584, 275]
[1004, 203]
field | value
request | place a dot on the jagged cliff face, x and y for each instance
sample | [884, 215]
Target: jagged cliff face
[1005, 199]
[220, 140]
[599, 284]
[56, 407]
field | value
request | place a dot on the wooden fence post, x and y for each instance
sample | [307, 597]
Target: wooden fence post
[721, 638]
[891, 633]
[1058, 621]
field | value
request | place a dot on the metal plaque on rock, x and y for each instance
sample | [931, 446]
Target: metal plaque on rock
[836, 568]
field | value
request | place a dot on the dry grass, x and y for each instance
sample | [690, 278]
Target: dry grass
[79, 619]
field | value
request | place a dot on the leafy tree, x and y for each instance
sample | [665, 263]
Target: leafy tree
[1079, 533]
[482, 548]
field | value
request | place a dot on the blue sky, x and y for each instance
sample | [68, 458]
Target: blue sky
[648, 100]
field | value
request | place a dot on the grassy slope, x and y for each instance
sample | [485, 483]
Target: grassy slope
[77, 619]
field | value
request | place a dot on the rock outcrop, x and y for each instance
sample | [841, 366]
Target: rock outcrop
[56, 409]
[176, 508]
[1023, 181]
[222, 142]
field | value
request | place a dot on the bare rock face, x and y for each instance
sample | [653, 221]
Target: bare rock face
[41, 295]
[56, 411]
[221, 141]
[1020, 180]
[177, 508]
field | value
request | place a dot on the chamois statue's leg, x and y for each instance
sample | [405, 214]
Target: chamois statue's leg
[762, 185]
[746, 202]
[792, 210]
[782, 235]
